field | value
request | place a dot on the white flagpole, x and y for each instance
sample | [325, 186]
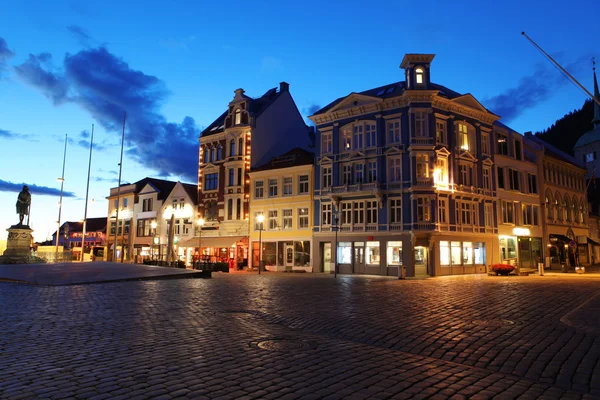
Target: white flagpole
[87, 191]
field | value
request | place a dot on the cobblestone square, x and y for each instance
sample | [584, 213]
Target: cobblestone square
[295, 336]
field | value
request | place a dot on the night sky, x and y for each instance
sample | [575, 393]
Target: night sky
[173, 67]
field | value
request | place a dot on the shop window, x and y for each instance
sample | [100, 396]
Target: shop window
[373, 253]
[455, 253]
[302, 253]
[467, 253]
[269, 253]
[508, 248]
[479, 253]
[394, 253]
[344, 253]
[445, 253]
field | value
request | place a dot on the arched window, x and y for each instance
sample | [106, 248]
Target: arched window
[206, 153]
[575, 209]
[550, 205]
[582, 210]
[419, 72]
[567, 209]
[558, 206]
[241, 146]
[212, 154]
[232, 148]
[220, 152]
[238, 117]
[238, 211]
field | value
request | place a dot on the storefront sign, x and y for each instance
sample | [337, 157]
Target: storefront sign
[521, 232]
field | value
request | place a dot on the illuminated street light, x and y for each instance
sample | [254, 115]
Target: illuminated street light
[260, 218]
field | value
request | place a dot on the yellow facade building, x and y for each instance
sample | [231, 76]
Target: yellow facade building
[282, 198]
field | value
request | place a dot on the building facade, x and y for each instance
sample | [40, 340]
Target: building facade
[405, 176]
[246, 135]
[520, 225]
[282, 193]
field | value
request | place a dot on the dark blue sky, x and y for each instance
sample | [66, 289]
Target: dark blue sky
[174, 65]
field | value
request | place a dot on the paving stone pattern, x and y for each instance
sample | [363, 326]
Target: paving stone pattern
[279, 336]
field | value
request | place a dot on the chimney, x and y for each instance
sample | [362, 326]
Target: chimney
[528, 134]
[284, 87]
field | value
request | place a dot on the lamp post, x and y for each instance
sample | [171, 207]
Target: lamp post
[200, 225]
[153, 225]
[335, 250]
[260, 218]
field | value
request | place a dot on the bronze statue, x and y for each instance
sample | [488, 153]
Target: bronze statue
[23, 203]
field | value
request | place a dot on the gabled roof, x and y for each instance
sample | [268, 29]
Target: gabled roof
[192, 191]
[162, 186]
[588, 137]
[392, 90]
[292, 158]
[256, 106]
[554, 152]
[92, 225]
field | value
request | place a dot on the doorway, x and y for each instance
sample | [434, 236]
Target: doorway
[359, 257]
[289, 257]
[327, 257]
[420, 260]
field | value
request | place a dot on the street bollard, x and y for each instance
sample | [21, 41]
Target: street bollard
[402, 272]
[541, 269]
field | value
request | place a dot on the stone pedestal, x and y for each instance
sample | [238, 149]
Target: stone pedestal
[19, 241]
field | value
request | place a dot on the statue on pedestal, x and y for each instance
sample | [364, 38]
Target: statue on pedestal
[23, 203]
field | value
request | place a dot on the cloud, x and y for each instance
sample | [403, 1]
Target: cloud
[106, 86]
[83, 141]
[532, 89]
[5, 55]
[80, 34]
[12, 135]
[110, 171]
[101, 179]
[270, 64]
[6, 186]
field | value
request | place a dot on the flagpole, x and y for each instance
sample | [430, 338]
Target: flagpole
[119, 191]
[62, 184]
[87, 191]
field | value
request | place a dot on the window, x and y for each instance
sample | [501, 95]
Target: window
[440, 132]
[421, 124]
[463, 136]
[527, 214]
[373, 253]
[238, 117]
[440, 173]
[231, 176]
[534, 213]
[259, 190]
[326, 214]
[467, 253]
[513, 179]
[212, 154]
[465, 175]
[589, 157]
[508, 212]
[346, 138]
[501, 144]
[327, 143]
[419, 75]
[518, 149]
[394, 168]
[485, 143]
[125, 202]
[273, 220]
[359, 212]
[372, 171]
[177, 227]
[303, 218]
[303, 184]
[442, 211]
[230, 209]
[486, 178]
[241, 146]
[346, 174]
[146, 205]
[344, 253]
[501, 184]
[346, 213]
[465, 213]
[232, 148]
[206, 154]
[211, 210]
[144, 227]
[422, 166]
[423, 209]
[393, 131]
[273, 187]
[394, 253]
[219, 152]
[287, 185]
[358, 137]
[444, 253]
[371, 134]
[287, 219]
[211, 181]
[455, 253]
[487, 215]
[396, 211]
[326, 177]
[532, 180]
[258, 225]
[359, 173]
[372, 212]
[239, 176]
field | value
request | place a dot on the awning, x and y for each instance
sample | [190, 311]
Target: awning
[222, 241]
[592, 241]
[562, 238]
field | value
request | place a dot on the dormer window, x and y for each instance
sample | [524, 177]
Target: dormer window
[419, 72]
[238, 117]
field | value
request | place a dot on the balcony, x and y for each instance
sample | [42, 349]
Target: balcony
[355, 188]
[424, 182]
[424, 226]
[422, 141]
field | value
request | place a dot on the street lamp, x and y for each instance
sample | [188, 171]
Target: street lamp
[200, 225]
[260, 218]
[153, 225]
[335, 251]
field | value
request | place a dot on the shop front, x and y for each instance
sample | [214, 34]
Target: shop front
[229, 249]
[524, 252]
[283, 255]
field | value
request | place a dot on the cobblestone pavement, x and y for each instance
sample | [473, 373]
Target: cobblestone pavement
[280, 336]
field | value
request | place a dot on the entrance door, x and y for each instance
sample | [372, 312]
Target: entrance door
[420, 260]
[327, 257]
[289, 257]
[525, 256]
[359, 257]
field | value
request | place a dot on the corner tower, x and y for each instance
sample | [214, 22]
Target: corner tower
[417, 71]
